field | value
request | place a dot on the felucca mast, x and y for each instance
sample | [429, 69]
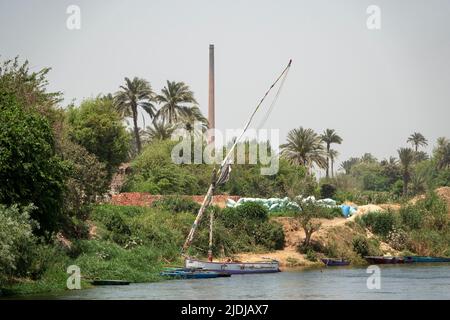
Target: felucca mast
[220, 176]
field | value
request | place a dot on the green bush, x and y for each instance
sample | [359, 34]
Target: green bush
[411, 217]
[17, 242]
[30, 170]
[253, 211]
[98, 127]
[176, 204]
[380, 223]
[361, 246]
[366, 247]
[270, 235]
[311, 255]
[397, 239]
[327, 190]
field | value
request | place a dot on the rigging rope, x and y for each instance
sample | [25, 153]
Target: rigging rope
[269, 111]
[284, 73]
[221, 174]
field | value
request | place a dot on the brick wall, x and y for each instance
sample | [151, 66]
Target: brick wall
[142, 199]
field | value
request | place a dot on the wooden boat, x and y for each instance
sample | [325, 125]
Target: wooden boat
[110, 282]
[384, 260]
[335, 262]
[235, 267]
[193, 274]
[425, 259]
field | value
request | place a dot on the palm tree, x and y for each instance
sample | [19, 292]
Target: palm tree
[304, 147]
[406, 156]
[348, 164]
[368, 158]
[417, 139]
[135, 94]
[192, 120]
[172, 97]
[330, 136]
[442, 153]
[159, 131]
[333, 155]
[391, 169]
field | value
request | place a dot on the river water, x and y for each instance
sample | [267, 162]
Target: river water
[397, 282]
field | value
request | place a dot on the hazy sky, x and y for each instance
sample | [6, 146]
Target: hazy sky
[374, 87]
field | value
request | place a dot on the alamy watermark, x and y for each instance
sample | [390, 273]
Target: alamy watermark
[255, 147]
[73, 21]
[374, 280]
[74, 280]
[374, 19]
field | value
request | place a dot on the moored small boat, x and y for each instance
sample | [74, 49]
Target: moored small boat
[335, 262]
[184, 273]
[234, 267]
[384, 260]
[110, 282]
[425, 259]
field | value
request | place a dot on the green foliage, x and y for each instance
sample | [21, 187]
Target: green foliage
[365, 197]
[29, 88]
[15, 235]
[365, 247]
[86, 182]
[108, 260]
[176, 204]
[250, 227]
[327, 190]
[397, 238]
[97, 127]
[154, 172]
[29, 169]
[411, 216]
[253, 211]
[311, 255]
[380, 223]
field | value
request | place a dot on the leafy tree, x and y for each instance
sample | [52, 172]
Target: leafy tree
[16, 241]
[97, 127]
[304, 147]
[329, 136]
[28, 87]
[307, 217]
[86, 182]
[135, 94]
[172, 98]
[417, 140]
[30, 171]
[406, 156]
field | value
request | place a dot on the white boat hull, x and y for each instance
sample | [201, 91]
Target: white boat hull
[234, 267]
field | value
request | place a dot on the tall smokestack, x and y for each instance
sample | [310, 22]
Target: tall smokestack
[211, 106]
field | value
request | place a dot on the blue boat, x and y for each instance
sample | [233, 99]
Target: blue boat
[335, 262]
[186, 273]
[425, 259]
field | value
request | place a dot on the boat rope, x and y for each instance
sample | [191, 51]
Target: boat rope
[225, 160]
[274, 101]
[219, 176]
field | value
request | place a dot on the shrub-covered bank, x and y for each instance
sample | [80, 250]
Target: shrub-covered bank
[132, 243]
